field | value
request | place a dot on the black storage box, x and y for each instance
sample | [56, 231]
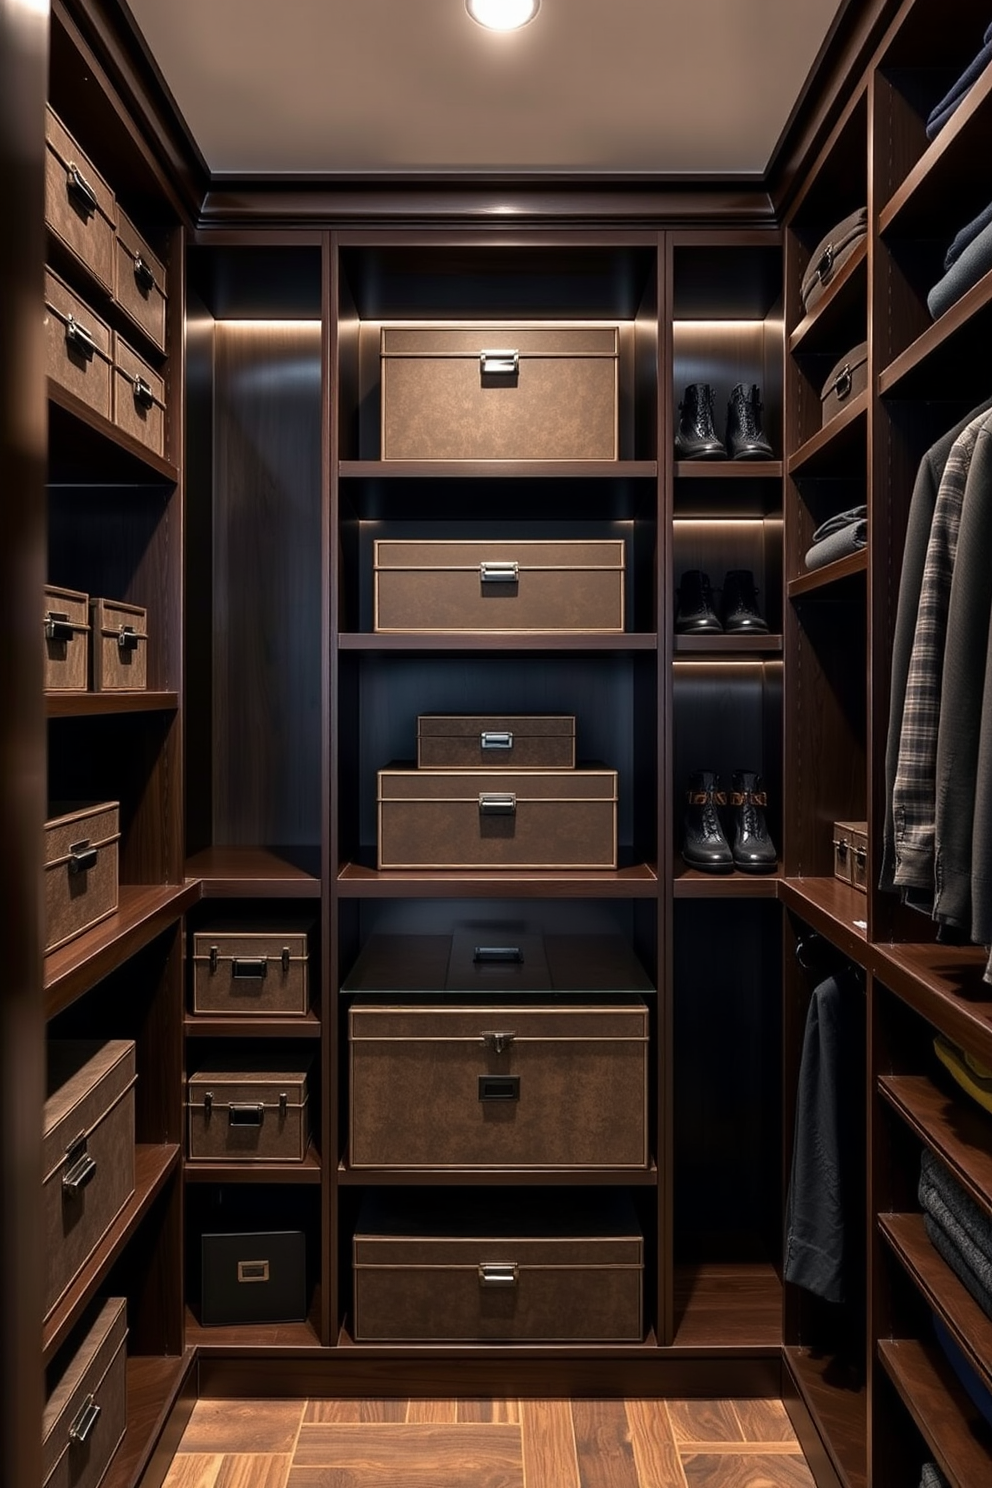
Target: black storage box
[254, 1277]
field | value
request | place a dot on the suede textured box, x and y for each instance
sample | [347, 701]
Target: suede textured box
[140, 281]
[80, 209]
[78, 354]
[67, 643]
[81, 852]
[244, 972]
[86, 1412]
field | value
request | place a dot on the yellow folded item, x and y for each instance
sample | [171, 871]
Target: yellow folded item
[974, 1077]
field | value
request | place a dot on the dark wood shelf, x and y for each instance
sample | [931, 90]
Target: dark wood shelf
[498, 1177]
[832, 907]
[822, 580]
[941, 363]
[355, 881]
[242, 1025]
[830, 325]
[958, 1133]
[504, 641]
[944, 985]
[833, 449]
[727, 647]
[99, 704]
[79, 440]
[255, 872]
[945, 171]
[153, 1165]
[144, 911]
[498, 469]
[732, 1308]
[839, 1412]
[693, 883]
[199, 1170]
[283, 1338]
[971, 1329]
[495, 1351]
[958, 1436]
[154, 1384]
[728, 469]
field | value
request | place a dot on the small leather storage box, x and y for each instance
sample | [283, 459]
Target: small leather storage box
[67, 629]
[86, 1413]
[244, 971]
[470, 742]
[77, 346]
[497, 818]
[847, 379]
[80, 868]
[88, 1152]
[120, 646]
[253, 1277]
[140, 281]
[499, 392]
[138, 398]
[79, 205]
[831, 254]
[249, 1115]
[498, 1265]
[851, 854]
[502, 584]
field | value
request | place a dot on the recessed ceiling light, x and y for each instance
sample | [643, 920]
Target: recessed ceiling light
[502, 15]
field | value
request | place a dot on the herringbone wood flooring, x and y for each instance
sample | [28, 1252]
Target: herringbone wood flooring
[489, 1444]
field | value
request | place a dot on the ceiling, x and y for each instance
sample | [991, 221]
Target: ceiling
[398, 87]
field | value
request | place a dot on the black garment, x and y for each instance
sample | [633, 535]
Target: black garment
[958, 92]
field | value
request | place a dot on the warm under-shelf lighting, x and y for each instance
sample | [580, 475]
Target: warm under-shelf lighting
[502, 15]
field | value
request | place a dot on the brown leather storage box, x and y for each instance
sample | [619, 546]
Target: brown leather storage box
[87, 1152]
[831, 254]
[470, 742]
[80, 868]
[497, 818]
[499, 392]
[499, 584]
[847, 379]
[67, 629]
[77, 346]
[260, 1115]
[138, 398]
[120, 646]
[86, 1413]
[851, 854]
[140, 283]
[498, 1265]
[241, 971]
[79, 205]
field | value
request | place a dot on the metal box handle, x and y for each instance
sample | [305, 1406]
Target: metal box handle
[498, 572]
[244, 969]
[127, 638]
[245, 1115]
[253, 1270]
[498, 954]
[497, 740]
[79, 337]
[78, 183]
[80, 1169]
[499, 1087]
[143, 395]
[498, 1273]
[502, 363]
[81, 857]
[498, 1040]
[143, 274]
[84, 1420]
[58, 626]
[497, 803]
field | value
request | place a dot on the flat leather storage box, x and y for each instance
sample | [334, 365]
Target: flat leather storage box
[260, 1115]
[499, 584]
[138, 405]
[88, 1152]
[253, 1277]
[499, 392]
[86, 1413]
[244, 971]
[140, 282]
[80, 868]
[473, 742]
[79, 205]
[498, 1265]
[847, 379]
[851, 854]
[119, 638]
[77, 346]
[831, 254]
[67, 645]
[497, 818]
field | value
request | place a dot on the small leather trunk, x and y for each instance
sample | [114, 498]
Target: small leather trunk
[80, 868]
[499, 392]
[67, 629]
[77, 346]
[473, 742]
[249, 1115]
[253, 1277]
[847, 379]
[505, 584]
[138, 398]
[497, 818]
[88, 1152]
[119, 635]
[851, 854]
[831, 254]
[241, 972]
[140, 281]
[498, 1265]
[79, 205]
[86, 1413]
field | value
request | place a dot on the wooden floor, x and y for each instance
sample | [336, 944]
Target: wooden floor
[489, 1444]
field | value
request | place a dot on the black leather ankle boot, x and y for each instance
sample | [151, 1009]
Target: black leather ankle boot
[740, 604]
[696, 614]
[697, 438]
[753, 849]
[704, 845]
[745, 441]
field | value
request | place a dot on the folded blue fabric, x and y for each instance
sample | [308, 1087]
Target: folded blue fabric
[975, 261]
[839, 536]
[967, 235]
[956, 94]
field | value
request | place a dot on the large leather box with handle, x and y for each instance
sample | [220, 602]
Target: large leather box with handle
[86, 1412]
[250, 1115]
[119, 645]
[140, 281]
[473, 742]
[88, 1153]
[81, 849]
[256, 1276]
[138, 404]
[498, 1265]
[499, 392]
[512, 584]
[834, 250]
[67, 645]
[847, 379]
[244, 970]
[850, 842]
[497, 818]
[78, 354]
[79, 205]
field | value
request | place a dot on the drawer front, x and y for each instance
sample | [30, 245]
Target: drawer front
[557, 600]
[120, 646]
[77, 346]
[79, 205]
[525, 743]
[140, 281]
[138, 405]
[253, 1277]
[67, 627]
[86, 1414]
[251, 973]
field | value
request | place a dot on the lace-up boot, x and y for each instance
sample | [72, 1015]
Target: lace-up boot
[704, 845]
[753, 850]
[696, 613]
[697, 438]
[745, 441]
[740, 604]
